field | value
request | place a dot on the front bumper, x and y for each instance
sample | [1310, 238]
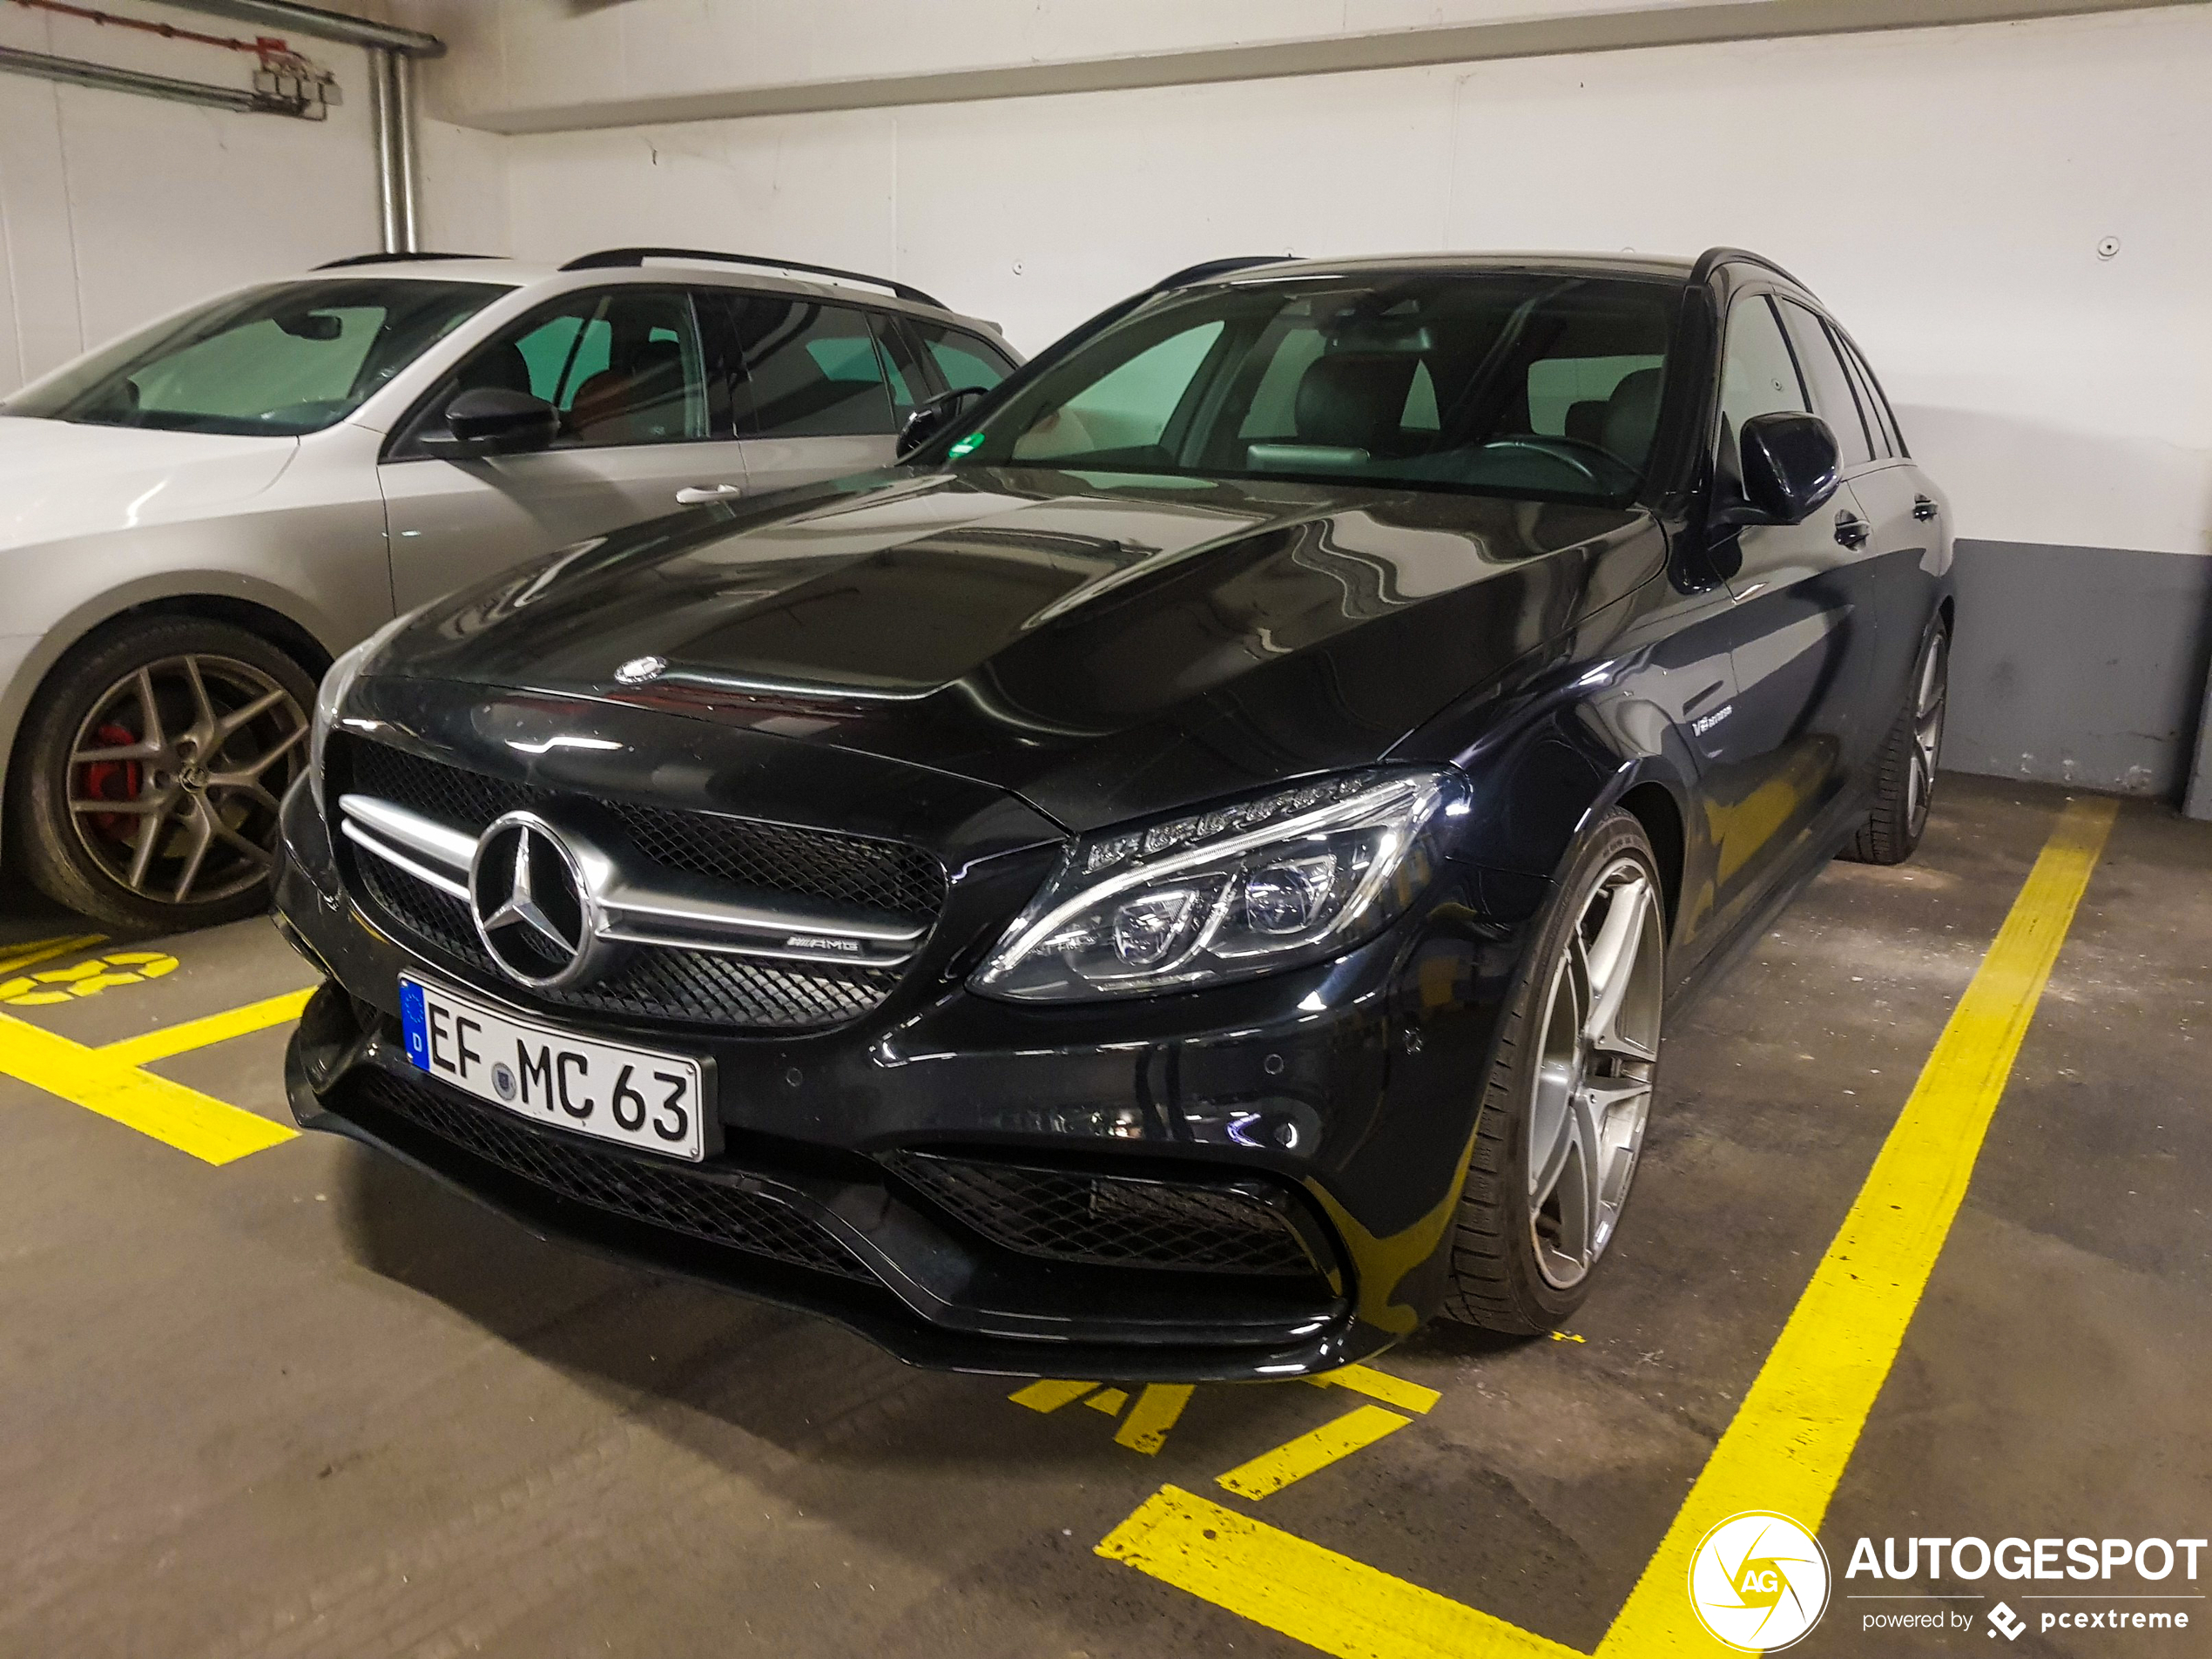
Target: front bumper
[1340, 1100]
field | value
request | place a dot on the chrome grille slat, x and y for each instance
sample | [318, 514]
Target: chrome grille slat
[401, 845]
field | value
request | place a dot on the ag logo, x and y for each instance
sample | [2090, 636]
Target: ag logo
[1759, 1581]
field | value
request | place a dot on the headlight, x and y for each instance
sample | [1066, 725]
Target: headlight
[330, 697]
[1245, 889]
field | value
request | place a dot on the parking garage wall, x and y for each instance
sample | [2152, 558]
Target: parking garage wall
[116, 208]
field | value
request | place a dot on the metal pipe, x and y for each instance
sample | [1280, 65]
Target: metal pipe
[383, 108]
[406, 183]
[297, 19]
[77, 72]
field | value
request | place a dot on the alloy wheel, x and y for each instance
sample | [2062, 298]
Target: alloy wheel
[1931, 691]
[176, 773]
[1594, 1074]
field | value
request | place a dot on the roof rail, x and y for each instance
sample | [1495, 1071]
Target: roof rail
[1193, 275]
[394, 258]
[1717, 256]
[614, 258]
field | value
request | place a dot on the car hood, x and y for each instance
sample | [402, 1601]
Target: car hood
[1102, 648]
[59, 479]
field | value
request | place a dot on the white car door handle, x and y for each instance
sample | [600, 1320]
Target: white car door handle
[692, 494]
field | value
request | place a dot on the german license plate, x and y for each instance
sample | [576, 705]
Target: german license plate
[637, 1097]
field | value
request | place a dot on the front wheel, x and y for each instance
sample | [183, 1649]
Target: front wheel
[149, 772]
[1569, 1090]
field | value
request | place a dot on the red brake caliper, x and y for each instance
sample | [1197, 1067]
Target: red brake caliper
[112, 780]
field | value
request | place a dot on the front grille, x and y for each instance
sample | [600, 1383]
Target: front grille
[777, 857]
[696, 1204]
[658, 982]
[1112, 1221]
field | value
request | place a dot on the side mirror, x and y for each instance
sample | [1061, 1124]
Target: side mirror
[929, 418]
[1790, 467]
[492, 421]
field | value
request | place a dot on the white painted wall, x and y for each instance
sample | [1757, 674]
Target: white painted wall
[115, 209]
[1944, 189]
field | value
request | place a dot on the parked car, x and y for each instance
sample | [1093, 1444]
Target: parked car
[1183, 877]
[193, 519]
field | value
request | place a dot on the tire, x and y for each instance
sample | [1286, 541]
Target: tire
[1905, 781]
[1568, 1093]
[229, 734]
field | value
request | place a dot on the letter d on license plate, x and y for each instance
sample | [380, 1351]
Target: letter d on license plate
[636, 1097]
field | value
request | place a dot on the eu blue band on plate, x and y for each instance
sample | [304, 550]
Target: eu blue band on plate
[413, 1023]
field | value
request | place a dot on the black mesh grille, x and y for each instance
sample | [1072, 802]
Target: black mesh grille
[1110, 1220]
[653, 982]
[679, 1200]
[780, 858]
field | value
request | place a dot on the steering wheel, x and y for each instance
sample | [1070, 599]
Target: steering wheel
[1563, 450]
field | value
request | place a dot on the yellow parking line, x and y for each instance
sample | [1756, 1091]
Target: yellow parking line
[1145, 1428]
[1797, 1428]
[1050, 1395]
[1310, 1594]
[1795, 1433]
[216, 1028]
[1379, 1385]
[208, 1129]
[1315, 1450]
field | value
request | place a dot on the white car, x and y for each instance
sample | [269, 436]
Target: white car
[195, 520]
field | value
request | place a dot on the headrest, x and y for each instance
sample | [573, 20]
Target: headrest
[1632, 416]
[1355, 398]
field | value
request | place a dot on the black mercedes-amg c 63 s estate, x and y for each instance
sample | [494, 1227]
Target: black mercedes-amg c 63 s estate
[1183, 877]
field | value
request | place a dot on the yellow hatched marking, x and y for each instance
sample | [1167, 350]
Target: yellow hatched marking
[1295, 1459]
[216, 1028]
[1794, 1434]
[1110, 1400]
[1379, 1385]
[210, 1130]
[1145, 1428]
[31, 952]
[1050, 1395]
[1313, 1594]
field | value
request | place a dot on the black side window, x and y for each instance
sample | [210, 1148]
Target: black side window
[963, 358]
[1870, 392]
[624, 366]
[811, 370]
[1832, 398]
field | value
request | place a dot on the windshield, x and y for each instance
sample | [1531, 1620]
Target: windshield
[1494, 383]
[279, 360]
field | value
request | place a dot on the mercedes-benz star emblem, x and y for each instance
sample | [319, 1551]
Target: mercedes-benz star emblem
[527, 895]
[639, 669]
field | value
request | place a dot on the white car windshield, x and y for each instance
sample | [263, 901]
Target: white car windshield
[1518, 383]
[279, 361]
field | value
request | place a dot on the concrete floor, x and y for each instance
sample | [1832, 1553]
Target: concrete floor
[309, 1404]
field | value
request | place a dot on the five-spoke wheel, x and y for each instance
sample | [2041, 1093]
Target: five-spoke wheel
[149, 790]
[1564, 1106]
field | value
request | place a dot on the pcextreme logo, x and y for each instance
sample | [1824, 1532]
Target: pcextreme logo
[1759, 1581]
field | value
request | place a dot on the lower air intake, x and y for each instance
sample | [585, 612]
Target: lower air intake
[695, 1204]
[1115, 1221]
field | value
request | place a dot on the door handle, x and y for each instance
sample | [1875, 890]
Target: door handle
[1924, 508]
[692, 494]
[1853, 530]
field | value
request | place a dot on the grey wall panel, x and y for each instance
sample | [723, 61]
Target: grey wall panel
[2080, 665]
